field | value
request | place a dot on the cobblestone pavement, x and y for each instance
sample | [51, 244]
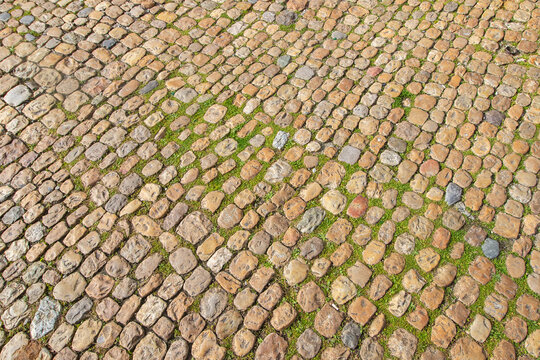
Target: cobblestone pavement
[269, 179]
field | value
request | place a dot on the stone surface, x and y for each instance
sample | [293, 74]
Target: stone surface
[273, 347]
[17, 95]
[224, 179]
[453, 194]
[402, 344]
[311, 219]
[490, 248]
[45, 318]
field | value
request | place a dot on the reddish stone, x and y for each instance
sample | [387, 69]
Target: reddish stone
[429, 168]
[374, 71]
[358, 207]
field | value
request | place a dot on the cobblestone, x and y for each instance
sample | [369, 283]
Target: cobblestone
[215, 179]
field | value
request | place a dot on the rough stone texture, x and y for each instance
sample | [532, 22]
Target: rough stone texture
[172, 172]
[45, 318]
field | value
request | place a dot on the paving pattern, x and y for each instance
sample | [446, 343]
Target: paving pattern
[269, 179]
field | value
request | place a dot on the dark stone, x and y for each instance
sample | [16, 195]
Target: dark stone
[490, 248]
[494, 117]
[453, 194]
[351, 335]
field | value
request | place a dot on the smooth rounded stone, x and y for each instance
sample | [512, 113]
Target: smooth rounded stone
[13, 215]
[305, 73]
[361, 111]
[5, 192]
[520, 193]
[14, 314]
[338, 35]
[191, 326]
[213, 303]
[453, 194]
[490, 248]
[349, 155]
[79, 310]
[445, 275]
[398, 145]
[494, 117]
[350, 335]
[310, 297]
[219, 259]
[228, 323]
[308, 344]
[197, 282]
[283, 60]
[179, 350]
[85, 334]
[215, 113]
[17, 95]
[399, 304]
[311, 248]
[5, 16]
[342, 290]
[99, 195]
[185, 95]
[260, 242]
[45, 317]
[257, 141]
[145, 226]
[229, 217]
[283, 316]
[454, 220]
[533, 281]
[311, 219]
[328, 321]
[280, 140]
[116, 203]
[34, 272]
[70, 288]
[295, 272]
[125, 288]
[194, 227]
[35, 232]
[183, 260]
[243, 342]
[390, 158]
[26, 20]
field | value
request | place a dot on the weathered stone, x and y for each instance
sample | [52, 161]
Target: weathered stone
[45, 318]
[150, 347]
[277, 172]
[311, 220]
[308, 344]
[402, 344]
[334, 201]
[273, 347]
[194, 227]
[465, 348]
[328, 320]
[70, 288]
